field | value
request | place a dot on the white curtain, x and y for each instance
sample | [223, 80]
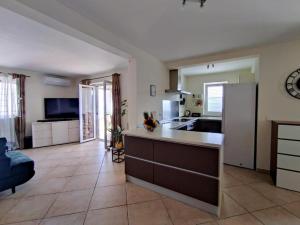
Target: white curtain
[8, 109]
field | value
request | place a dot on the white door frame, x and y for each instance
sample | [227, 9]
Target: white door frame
[81, 86]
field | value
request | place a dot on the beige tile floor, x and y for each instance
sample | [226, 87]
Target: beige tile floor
[78, 184]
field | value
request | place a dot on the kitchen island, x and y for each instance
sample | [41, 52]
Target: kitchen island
[180, 164]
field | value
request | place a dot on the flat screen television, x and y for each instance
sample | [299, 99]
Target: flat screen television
[61, 108]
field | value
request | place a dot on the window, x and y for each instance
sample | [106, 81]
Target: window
[8, 97]
[213, 98]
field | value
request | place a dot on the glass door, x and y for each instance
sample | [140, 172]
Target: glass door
[105, 112]
[87, 111]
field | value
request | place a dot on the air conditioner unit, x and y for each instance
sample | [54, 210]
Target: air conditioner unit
[56, 81]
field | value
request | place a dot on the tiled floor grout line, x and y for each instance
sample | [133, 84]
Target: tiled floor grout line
[247, 211]
[289, 212]
[24, 197]
[258, 219]
[275, 204]
[41, 219]
[235, 203]
[103, 158]
[257, 192]
[127, 213]
[109, 207]
[167, 211]
[56, 197]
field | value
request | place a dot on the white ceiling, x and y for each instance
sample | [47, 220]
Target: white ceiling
[26, 44]
[169, 32]
[219, 67]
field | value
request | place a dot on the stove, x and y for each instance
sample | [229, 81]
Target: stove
[181, 120]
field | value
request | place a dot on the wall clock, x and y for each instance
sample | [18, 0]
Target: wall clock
[292, 84]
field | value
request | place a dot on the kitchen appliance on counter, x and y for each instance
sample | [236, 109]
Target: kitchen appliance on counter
[187, 113]
[196, 115]
[239, 124]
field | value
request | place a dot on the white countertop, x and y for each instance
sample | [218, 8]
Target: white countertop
[176, 125]
[179, 136]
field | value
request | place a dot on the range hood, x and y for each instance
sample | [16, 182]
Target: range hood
[175, 83]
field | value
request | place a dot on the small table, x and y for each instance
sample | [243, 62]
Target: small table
[117, 155]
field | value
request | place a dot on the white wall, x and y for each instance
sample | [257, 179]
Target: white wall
[36, 91]
[276, 62]
[151, 71]
[195, 84]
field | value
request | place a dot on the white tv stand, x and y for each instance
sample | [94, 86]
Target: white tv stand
[54, 133]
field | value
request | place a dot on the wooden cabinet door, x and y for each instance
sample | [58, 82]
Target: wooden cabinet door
[139, 169]
[202, 188]
[139, 147]
[194, 158]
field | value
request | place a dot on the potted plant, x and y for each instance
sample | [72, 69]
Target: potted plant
[149, 122]
[117, 137]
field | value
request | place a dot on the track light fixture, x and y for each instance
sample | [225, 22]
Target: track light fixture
[200, 1]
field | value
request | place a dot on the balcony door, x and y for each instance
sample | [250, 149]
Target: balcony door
[87, 111]
[105, 109]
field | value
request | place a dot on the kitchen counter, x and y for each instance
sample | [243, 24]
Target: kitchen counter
[178, 125]
[179, 136]
[183, 165]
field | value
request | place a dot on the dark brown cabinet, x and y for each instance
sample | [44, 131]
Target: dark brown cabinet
[194, 185]
[139, 169]
[187, 157]
[213, 126]
[186, 169]
[139, 147]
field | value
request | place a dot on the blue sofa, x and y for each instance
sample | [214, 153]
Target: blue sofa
[15, 168]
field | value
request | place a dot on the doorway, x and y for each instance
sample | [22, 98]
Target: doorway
[87, 112]
[105, 110]
[96, 108]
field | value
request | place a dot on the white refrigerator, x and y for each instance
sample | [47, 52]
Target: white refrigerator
[239, 124]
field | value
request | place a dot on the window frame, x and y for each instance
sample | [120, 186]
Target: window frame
[205, 88]
[13, 113]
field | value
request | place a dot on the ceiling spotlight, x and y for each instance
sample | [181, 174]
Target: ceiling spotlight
[200, 1]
